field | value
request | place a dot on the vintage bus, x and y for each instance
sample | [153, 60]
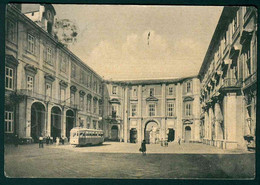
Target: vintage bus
[83, 136]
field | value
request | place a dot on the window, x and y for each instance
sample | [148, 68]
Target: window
[114, 90]
[151, 91]
[170, 91]
[62, 94]
[72, 98]
[73, 70]
[30, 83]
[100, 89]
[11, 31]
[48, 89]
[114, 110]
[31, 43]
[49, 55]
[151, 109]
[94, 124]
[9, 119]
[247, 59]
[63, 63]
[95, 106]
[134, 110]
[100, 108]
[89, 104]
[81, 77]
[170, 109]
[188, 109]
[81, 103]
[188, 87]
[134, 92]
[9, 78]
[88, 122]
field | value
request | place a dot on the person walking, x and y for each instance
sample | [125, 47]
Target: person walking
[47, 140]
[40, 141]
[143, 147]
[16, 140]
[179, 140]
[57, 141]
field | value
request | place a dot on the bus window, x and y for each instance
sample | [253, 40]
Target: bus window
[81, 134]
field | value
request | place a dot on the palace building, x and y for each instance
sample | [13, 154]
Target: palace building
[154, 110]
[228, 81]
[49, 90]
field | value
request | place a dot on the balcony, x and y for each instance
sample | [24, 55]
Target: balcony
[231, 84]
[43, 97]
[250, 80]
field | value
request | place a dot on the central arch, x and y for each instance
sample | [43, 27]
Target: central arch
[55, 122]
[151, 132]
[37, 120]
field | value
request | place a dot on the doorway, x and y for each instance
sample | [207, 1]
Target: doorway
[187, 134]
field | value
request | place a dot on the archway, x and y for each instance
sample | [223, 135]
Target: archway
[133, 135]
[37, 120]
[55, 122]
[114, 133]
[171, 135]
[151, 132]
[187, 135]
[69, 122]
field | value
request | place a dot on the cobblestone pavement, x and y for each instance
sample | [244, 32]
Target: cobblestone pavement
[122, 160]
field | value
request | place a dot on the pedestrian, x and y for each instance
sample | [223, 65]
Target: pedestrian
[143, 147]
[62, 140]
[47, 140]
[51, 140]
[179, 140]
[40, 141]
[162, 142]
[16, 140]
[57, 141]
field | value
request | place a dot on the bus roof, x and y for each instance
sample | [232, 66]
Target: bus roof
[85, 129]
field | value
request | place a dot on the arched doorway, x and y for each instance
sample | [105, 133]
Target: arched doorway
[37, 120]
[114, 133]
[55, 122]
[69, 122]
[133, 135]
[187, 135]
[151, 132]
[171, 135]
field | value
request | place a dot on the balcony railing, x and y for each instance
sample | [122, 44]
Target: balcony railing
[250, 80]
[231, 82]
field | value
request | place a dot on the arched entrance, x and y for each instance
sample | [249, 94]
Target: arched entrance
[171, 135]
[151, 132]
[133, 135]
[114, 133]
[69, 122]
[55, 122]
[187, 135]
[37, 120]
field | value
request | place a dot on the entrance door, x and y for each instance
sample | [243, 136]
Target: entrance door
[69, 122]
[37, 120]
[171, 135]
[133, 135]
[114, 133]
[187, 134]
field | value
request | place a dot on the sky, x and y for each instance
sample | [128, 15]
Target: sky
[113, 39]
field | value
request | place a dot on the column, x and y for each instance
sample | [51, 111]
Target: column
[125, 113]
[139, 114]
[63, 122]
[179, 110]
[210, 124]
[163, 107]
[230, 120]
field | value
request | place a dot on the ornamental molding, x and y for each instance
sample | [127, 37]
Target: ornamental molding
[30, 69]
[63, 84]
[49, 77]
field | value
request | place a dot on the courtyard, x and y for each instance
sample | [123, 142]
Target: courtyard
[123, 160]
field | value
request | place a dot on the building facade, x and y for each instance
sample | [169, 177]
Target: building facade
[228, 81]
[48, 89]
[153, 110]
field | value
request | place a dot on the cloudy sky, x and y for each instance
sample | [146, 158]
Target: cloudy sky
[113, 40]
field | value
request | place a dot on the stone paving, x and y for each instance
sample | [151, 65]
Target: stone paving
[123, 160]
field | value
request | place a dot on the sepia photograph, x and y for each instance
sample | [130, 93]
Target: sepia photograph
[99, 91]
